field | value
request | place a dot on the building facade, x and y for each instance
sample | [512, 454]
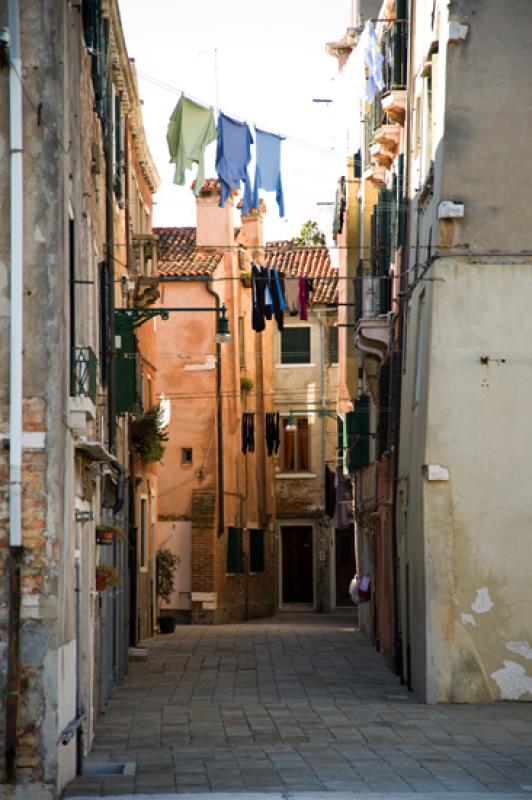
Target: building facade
[216, 503]
[440, 274]
[316, 546]
[64, 624]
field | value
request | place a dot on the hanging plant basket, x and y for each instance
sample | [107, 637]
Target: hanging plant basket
[246, 385]
[107, 577]
[148, 436]
[245, 280]
[106, 533]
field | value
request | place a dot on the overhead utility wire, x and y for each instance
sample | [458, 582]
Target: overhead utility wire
[180, 93]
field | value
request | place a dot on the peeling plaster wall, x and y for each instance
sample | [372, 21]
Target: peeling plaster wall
[478, 523]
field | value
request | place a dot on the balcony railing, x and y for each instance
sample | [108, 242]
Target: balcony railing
[394, 45]
[83, 373]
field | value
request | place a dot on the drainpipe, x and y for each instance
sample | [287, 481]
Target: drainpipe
[321, 569]
[399, 643]
[219, 420]
[15, 383]
[109, 256]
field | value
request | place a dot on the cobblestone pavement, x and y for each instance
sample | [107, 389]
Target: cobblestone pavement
[298, 703]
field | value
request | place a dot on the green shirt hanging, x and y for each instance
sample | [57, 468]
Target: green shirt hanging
[190, 130]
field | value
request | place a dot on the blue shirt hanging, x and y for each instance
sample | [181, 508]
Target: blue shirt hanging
[268, 168]
[233, 154]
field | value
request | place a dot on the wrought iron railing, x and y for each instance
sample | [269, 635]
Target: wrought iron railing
[394, 44]
[83, 373]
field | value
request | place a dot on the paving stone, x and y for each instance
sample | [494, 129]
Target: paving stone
[297, 704]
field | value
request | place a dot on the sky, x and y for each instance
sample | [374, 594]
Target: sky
[262, 62]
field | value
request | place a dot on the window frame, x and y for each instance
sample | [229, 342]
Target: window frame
[285, 470]
[290, 364]
[143, 533]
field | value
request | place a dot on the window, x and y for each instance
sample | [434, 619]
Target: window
[256, 550]
[242, 342]
[295, 346]
[72, 293]
[143, 532]
[186, 456]
[333, 344]
[420, 347]
[295, 447]
[235, 552]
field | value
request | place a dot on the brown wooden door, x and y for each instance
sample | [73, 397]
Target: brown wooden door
[345, 564]
[297, 564]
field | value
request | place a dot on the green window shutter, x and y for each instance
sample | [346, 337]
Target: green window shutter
[125, 372]
[357, 425]
[235, 553]
[256, 550]
[295, 346]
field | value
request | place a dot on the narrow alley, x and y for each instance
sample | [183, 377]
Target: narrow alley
[296, 703]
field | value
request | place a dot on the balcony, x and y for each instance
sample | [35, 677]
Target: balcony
[145, 251]
[372, 323]
[83, 367]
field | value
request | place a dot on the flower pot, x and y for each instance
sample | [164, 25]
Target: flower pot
[101, 583]
[167, 624]
[104, 537]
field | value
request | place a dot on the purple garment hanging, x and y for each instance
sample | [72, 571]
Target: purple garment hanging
[303, 298]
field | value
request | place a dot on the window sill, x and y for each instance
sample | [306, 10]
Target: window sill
[298, 475]
[290, 366]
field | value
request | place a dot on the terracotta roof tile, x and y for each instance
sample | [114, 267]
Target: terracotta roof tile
[178, 254]
[314, 262]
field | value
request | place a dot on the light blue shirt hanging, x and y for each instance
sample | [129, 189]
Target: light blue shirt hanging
[233, 154]
[268, 168]
[373, 59]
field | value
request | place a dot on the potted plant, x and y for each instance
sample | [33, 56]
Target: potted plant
[245, 279]
[107, 577]
[246, 385]
[106, 532]
[148, 436]
[166, 566]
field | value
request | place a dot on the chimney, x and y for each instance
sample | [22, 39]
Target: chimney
[252, 231]
[214, 225]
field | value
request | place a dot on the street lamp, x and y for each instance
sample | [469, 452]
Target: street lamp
[223, 334]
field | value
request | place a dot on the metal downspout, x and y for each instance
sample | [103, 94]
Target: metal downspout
[399, 642]
[109, 256]
[219, 421]
[15, 382]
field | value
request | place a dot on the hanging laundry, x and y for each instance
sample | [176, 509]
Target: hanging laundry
[279, 304]
[268, 168]
[258, 297]
[190, 130]
[273, 439]
[303, 298]
[292, 295]
[373, 59]
[233, 154]
[339, 208]
[248, 432]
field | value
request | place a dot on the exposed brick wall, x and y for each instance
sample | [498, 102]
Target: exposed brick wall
[37, 563]
[298, 498]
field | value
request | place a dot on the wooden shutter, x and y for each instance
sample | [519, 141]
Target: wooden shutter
[295, 346]
[357, 424]
[125, 372]
[256, 550]
[235, 553]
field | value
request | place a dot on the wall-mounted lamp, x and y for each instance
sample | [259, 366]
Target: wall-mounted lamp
[291, 424]
[223, 334]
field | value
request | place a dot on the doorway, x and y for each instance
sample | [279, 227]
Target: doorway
[297, 579]
[344, 564]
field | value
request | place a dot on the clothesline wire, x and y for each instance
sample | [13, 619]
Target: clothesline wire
[181, 93]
